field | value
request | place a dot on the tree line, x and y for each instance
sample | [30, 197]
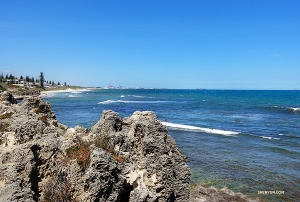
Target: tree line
[41, 80]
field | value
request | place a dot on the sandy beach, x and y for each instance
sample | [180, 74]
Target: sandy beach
[50, 93]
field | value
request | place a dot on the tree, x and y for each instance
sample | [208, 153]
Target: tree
[53, 83]
[42, 79]
[32, 79]
[58, 83]
[27, 79]
[6, 77]
[11, 77]
[65, 84]
[21, 77]
[49, 82]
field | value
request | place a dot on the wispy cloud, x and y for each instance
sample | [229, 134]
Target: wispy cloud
[276, 55]
[6, 70]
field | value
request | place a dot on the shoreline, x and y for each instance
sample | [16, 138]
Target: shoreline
[49, 93]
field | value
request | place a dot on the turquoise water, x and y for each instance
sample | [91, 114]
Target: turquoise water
[248, 141]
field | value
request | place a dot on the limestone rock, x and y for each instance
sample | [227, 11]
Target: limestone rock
[8, 98]
[157, 168]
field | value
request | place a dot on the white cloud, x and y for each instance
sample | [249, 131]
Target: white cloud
[6, 70]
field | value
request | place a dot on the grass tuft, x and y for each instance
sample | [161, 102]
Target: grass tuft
[58, 188]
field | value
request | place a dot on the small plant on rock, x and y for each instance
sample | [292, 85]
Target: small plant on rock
[4, 126]
[81, 152]
[58, 188]
[44, 119]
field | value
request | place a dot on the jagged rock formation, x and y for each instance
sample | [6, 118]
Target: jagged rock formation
[129, 159]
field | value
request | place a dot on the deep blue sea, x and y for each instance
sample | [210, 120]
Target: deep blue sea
[248, 141]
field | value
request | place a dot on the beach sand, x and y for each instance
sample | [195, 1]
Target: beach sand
[49, 93]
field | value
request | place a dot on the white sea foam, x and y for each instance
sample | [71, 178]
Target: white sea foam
[139, 96]
[76, 92]
[129, 101]
[122, 95]
[295, 109]
[270, 138]
[73, 96]
[266, 137]
[199, 129]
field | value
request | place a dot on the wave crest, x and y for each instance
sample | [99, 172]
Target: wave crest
[295, 109]
[129, 101]
[199, 129]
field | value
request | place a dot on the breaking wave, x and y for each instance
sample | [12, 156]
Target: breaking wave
[295, 109]
[199, 129]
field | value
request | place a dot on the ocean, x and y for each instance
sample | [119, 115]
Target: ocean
[246, 140]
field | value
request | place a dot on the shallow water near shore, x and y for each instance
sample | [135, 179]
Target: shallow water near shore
[248, 141]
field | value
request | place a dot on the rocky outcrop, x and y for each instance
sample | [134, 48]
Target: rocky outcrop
[25, 92]
[7, 98]
[129, 159]
[157, 170]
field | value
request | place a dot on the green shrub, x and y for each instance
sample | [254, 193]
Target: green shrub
[2, 88]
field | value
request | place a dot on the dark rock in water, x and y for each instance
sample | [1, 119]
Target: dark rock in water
[203, 194]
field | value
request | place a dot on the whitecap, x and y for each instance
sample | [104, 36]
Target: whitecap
[129, 101]
[139, 96]
[295, 109]
[266, 137]
[199, 129]
[73, 96]
[122, 95]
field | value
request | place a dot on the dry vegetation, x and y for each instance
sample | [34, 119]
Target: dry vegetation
[44, 119]
[81, 152]
[58, 188]
[6, 115]
[3, 126]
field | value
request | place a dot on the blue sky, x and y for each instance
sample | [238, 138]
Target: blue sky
[210, 44]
